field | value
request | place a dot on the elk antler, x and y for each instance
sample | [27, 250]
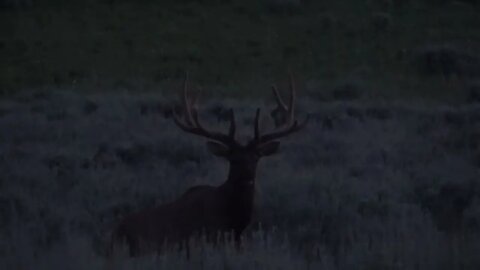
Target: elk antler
[191, 124]
[281, 106]
[290, 124]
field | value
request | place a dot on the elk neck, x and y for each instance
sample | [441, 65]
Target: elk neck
[241, 176]
[239, 188]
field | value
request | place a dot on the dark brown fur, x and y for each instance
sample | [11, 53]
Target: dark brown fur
[202, 209]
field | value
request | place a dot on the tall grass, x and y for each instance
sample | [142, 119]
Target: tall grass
[361, 188]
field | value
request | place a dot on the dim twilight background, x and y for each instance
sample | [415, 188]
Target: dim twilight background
[386, 176]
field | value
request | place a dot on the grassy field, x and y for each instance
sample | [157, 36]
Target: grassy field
[365, 186]
[233, 47]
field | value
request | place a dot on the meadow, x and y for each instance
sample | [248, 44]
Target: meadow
[366, 186]
[385, 176]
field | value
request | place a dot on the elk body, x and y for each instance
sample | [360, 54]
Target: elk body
[208, 210]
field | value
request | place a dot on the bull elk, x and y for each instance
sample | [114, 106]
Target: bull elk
[208, 209]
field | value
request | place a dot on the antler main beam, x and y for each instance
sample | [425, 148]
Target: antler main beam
[192, 124]
[290, 125]
[294, 127]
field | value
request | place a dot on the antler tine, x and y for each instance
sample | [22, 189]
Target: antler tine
[294, 127]
[256, 127]
[278, 98]
[231, 130]
[198, 129]
[291, 124]
[186, 101]
[191, 123]
[289, 109]
[291, 105]
[176, 119]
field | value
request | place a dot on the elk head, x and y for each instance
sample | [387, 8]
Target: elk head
[243, 159]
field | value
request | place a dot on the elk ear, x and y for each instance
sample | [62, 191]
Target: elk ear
[218, 149]
[268, 148]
